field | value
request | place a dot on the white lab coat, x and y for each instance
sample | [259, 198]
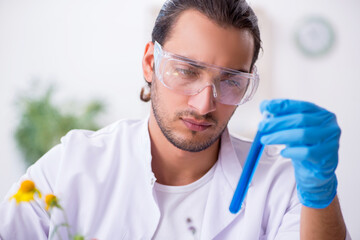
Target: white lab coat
[105, 183]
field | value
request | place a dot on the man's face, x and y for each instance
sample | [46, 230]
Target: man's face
[194, 123]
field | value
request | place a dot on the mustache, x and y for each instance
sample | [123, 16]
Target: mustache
[188, 113]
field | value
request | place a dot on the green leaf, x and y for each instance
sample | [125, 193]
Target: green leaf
[78, 237]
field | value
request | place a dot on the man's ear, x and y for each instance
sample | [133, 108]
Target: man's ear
[148, 62]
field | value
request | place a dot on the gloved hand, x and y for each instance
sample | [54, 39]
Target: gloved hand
[311, 136]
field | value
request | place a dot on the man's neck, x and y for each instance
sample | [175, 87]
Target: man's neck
[176, 167]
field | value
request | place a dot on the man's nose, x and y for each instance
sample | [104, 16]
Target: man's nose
[204, 101]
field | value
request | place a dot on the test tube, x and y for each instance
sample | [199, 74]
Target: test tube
[248, 171]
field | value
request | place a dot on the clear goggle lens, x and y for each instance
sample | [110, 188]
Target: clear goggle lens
[189, 77]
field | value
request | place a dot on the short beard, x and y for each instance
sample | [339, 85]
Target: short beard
[191, 145]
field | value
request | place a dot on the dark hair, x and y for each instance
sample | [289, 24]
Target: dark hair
[235, 13]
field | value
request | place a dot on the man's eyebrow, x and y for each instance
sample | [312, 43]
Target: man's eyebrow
[196, 64]
[242, 70]
[192, 62]
[202, 65]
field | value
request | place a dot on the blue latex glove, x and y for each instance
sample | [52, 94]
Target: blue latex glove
[311, 135]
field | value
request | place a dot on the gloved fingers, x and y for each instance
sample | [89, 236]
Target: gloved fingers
[287, 106]
[296, 120]
[302, 136]
[314, 158]
[312, 185]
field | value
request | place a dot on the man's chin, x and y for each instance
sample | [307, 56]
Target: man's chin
[193, 143]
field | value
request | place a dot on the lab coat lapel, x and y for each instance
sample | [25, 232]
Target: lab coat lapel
[147, 222]
[217, 215]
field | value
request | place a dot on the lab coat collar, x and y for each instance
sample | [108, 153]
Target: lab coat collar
[217, 215]
[145, 146]
[150, 220]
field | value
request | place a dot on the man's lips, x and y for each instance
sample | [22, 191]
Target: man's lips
[196, 125]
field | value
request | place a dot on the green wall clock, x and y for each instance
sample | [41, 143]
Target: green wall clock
[315, 36]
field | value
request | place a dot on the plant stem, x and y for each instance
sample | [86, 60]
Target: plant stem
[67, 222]
[56, 230]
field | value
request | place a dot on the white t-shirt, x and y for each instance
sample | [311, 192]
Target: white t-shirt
[182, 208]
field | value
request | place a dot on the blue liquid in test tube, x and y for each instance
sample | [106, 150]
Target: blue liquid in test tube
[248, 172]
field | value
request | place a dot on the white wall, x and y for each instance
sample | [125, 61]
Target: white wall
[94, 49]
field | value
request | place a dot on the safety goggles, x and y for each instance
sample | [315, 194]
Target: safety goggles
[189, 77]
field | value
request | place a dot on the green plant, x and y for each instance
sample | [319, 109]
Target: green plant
[42, 124]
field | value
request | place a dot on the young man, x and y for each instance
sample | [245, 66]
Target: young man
[172, 176]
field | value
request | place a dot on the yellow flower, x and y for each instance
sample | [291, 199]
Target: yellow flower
[26, 192]
[51, 201]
